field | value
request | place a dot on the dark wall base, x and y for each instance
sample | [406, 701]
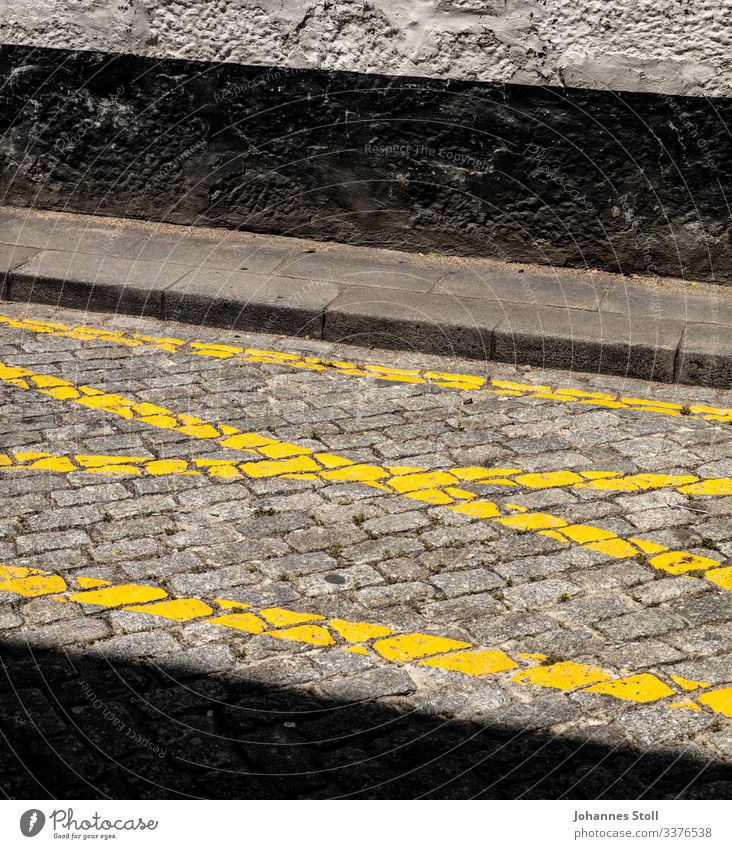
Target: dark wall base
[625, 182]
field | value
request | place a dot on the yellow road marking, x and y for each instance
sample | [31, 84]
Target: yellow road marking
[427, 650]
[436, 487]
[302, 463]
[464, 382]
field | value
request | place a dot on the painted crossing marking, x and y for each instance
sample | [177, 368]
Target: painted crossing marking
[606, 481]
[438, 488]
[427, 650]
[465, 382]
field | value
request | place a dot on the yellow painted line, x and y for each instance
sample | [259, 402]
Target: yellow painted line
[404, 482]
[290, 460]
[464, 382]
[427, 650]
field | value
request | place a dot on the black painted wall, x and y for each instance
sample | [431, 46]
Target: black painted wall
[625, 182]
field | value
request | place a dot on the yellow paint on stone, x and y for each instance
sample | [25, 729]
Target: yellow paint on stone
[713, 486]
[281, 450]
[431, 496]
[229, 604]
[278, 616]
[566, 675]
[55, 464]
[643, 687]
[475, 663]
[358, 632]
[720, 701]
[412, 646]
[90, 583]
[685, 705]
[314, 635]
[169, 467]
[687, 684]
[359, 472]
[532, 521]
[247, 622]
[273, 468]
[586, 533]
[179, 609]
[617, 547]
[721, 577]
[647, 546]
[29, 583]
[426, 480]
[678, 562]
[547, 480]
[478, 509]
[116, 596]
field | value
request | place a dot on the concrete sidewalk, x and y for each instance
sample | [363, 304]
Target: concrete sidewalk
[663, 330]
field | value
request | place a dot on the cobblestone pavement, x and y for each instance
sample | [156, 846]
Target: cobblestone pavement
[231, 574]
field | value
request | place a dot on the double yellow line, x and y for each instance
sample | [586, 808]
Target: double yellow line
[369, 638]
[465, 382]
[290, 460]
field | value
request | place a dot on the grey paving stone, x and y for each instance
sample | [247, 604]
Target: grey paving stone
[541, 592]
[295, 565]
[650, 726]
[704, 609]
[394, 524]
[339, 580]
[209, 582]
[200, 660]
[41, 542]
[640, 654]
[715, 670]
[644, 623]
[592, 609]
[371, 684]
[68, 633]
[455, 584]
[136, 646]
[94, 281]
[384, 596]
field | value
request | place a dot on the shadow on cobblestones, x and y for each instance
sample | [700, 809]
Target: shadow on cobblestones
[76, 726]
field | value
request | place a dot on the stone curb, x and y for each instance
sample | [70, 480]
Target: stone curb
[477, 309]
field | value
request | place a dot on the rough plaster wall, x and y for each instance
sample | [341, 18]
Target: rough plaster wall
[666, 46]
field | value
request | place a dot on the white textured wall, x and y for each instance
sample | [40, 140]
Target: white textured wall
[670, 46]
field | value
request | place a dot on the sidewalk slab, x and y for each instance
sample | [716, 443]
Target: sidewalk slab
[373, 267]
[653, 329]
[258, 255]
[239, 300]
[89, 236]
[517, 285]
[94, 282]
[709, 306]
